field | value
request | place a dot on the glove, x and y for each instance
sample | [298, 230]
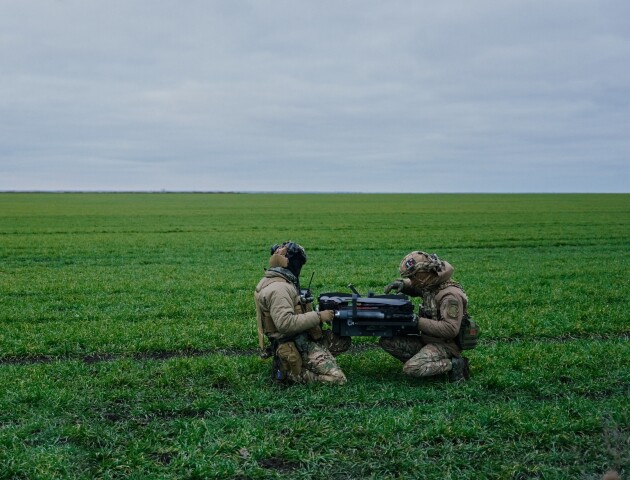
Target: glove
[326, 315]
[395, 285]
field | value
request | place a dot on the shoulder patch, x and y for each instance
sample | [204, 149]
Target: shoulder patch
[452, 308]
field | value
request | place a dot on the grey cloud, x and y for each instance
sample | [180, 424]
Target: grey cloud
[418, 96]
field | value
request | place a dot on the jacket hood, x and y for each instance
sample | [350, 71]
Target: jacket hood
[442, 276]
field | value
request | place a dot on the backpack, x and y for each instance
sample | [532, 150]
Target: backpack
[468, 334]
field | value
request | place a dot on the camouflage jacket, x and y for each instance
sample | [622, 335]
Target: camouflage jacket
[444, 304]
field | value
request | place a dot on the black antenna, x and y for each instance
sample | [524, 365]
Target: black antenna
[308, 289]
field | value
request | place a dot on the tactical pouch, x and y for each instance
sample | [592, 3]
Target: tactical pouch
[468, 334]
[290, 358]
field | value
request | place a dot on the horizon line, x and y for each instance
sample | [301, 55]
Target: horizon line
[313, 192]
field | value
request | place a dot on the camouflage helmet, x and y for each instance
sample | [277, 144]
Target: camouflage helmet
[418, 261]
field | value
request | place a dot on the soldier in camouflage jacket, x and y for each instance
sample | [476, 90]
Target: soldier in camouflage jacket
[444, 305]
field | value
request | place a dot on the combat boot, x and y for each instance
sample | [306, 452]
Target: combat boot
[459, 373]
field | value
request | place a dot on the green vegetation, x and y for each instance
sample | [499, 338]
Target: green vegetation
[128, 340]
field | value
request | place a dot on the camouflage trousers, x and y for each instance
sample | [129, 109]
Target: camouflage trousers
[318, 365]
[419, 360]
[304, 360]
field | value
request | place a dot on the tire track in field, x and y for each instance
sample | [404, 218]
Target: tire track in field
[235, 352]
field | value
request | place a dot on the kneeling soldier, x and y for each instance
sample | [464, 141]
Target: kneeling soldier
[444, 305]
[300, 349]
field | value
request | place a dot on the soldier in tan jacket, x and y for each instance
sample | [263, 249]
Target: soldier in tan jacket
[299, 346]
[444, 305]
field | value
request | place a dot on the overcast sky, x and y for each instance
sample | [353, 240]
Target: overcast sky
[273, 95]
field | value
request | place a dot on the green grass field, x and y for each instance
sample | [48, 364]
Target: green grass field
[128, 344]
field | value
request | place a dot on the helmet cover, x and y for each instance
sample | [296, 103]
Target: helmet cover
[419, 261]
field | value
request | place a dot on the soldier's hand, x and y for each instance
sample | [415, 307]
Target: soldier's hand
[326, 315]
[395, 285]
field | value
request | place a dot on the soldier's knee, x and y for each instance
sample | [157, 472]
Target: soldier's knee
[336, 345]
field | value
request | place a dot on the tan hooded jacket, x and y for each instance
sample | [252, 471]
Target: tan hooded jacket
[448, 304]
[278, 308]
